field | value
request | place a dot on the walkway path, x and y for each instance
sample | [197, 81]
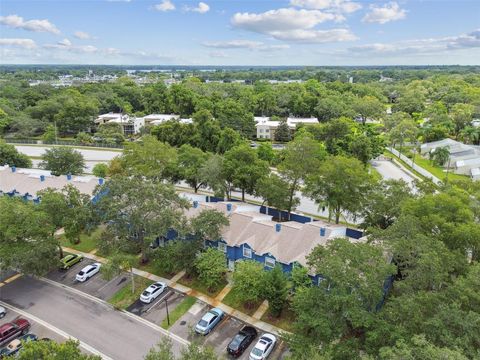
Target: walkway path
[263, 326]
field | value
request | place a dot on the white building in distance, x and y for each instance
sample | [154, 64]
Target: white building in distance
[266, 128]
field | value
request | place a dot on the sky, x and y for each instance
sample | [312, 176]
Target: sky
[240, 32]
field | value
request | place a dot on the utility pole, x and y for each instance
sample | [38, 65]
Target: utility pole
[168, 315]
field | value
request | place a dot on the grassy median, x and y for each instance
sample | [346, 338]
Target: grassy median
[179, 311]
[88, 242]
[124, 297]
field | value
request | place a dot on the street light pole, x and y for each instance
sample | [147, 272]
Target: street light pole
[168, 315]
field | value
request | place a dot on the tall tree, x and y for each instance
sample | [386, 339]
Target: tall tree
[140, 210]
[63, 160]
[190, 162]
[211, 267]
[242, 165]
[340, 183]
[248, 281]
[300, 158]
[276, 290]
[282, 132]
[27, 243]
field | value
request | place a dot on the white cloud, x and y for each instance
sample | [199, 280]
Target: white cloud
[343, 6]
[315, 36]
[82, 35]
[233, 44]
[386, 13]
[282, 20]
[17, 22]
[165, 5]
[23, 43]
[201, 8]
[420, 46]
[293, 25]
[245, 44]
[64, 42]
[218, 54]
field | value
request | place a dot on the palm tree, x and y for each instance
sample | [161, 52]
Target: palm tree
[440, 156]
[471, 134]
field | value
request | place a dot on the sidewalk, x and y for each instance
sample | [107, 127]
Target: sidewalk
[263, 326]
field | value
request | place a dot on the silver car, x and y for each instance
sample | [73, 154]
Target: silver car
[3, 312]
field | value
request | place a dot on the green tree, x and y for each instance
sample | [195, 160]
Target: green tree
[150, 158]
[440, 156]
[63, 160]
[384, 203]
[368, 107]
[213, 174]
[229, 138]
[341, 306]
[276, 290]
[419, 348]
[299, 277]
[275, 191]
[118, 263]
[110, 133]
[27, 244]
[405, 130]
[50, 134]
[211, 267]
[190, 163]
[9, 155]
[100, 170]
[51, 350]
[340, 183]
[300, 158]
[462, 115]
[242, 165]
[266, 153]
[282, 132]
[139, 209]
[249, 281]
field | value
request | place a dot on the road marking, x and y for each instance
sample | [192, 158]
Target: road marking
[10, 279]
[56, 330]
[109, 282]
[158, 301]
[133, 316]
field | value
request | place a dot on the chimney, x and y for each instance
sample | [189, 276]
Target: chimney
[229, 207]
[195, 204]
[13, 168]
[100, 181]
[69, 177]
[278, 227]
[42, 178]
[322, 231]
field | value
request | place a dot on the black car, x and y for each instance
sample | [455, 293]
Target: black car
[241, 341]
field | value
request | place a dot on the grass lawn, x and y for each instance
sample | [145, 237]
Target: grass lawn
[284, 321]
[438, 171]
[124, 297]
[196, 284]
[178, 312]
[149, 267]
[87, 242]
[232, 300]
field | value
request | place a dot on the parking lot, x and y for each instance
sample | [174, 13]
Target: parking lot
[156, 311]
[221, 335]
[96, 286]
[37, 329]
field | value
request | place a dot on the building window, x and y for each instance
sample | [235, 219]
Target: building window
[269, 262]
[247, 252]
[267, 130]
[261, 130]
[222, 247]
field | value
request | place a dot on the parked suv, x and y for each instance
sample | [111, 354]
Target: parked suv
[14, 329]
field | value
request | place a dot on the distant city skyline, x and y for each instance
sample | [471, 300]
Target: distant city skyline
[230, 32]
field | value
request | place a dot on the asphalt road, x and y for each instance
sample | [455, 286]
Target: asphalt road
[88, 154]
[111, 332]
[389, 170]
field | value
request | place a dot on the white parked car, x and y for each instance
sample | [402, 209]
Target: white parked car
[152, 292]
[88, 271]
[263, 348]
[3, 312]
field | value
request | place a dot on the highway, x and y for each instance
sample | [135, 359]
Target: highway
[110, 332]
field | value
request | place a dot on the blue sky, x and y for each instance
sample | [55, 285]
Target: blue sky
[244, 32]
